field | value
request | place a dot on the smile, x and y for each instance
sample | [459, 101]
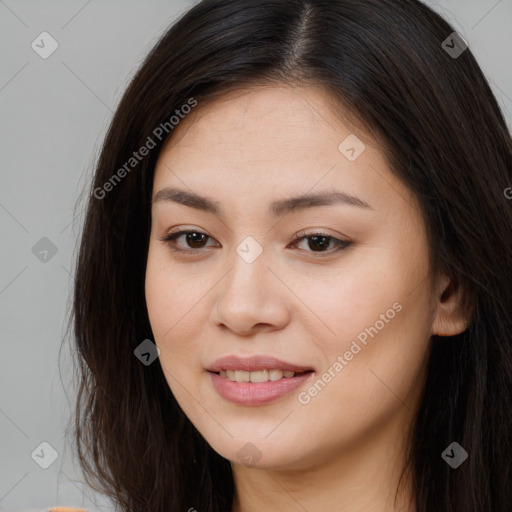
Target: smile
[257, 379]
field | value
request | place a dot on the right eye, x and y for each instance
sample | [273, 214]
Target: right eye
[195, 240]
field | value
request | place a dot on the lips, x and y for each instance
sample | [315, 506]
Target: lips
[256, 380]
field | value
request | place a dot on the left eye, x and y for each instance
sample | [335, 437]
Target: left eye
[317, 242]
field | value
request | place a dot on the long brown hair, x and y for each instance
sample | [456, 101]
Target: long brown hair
[444, 136]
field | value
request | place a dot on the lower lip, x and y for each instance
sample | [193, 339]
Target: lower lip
[256, 393]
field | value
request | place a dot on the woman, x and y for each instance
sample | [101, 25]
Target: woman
[293, 287]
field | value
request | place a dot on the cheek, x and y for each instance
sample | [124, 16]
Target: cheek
[167, 306]
[345, 302]
[373, 371]
[378, 322]
[177, 313]
[171, 295]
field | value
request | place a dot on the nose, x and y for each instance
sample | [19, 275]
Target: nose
[251, 297]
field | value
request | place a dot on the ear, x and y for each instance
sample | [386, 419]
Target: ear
[449, 318]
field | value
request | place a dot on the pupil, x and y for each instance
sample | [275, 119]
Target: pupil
[315, 240]
[192, 238]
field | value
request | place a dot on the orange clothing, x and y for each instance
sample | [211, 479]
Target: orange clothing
[66, 509]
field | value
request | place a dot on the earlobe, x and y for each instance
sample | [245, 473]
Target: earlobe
[449, 319]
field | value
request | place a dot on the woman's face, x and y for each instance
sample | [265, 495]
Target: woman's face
[353, 318]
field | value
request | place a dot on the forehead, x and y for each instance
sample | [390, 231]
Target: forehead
[260, 125]
[274, 141]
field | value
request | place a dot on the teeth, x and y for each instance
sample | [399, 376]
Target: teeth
[257, 376]
[242, 376]
[275, 374]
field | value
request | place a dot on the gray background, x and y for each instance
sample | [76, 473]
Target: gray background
[54, 113]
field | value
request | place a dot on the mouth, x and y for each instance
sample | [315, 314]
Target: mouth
[256, 380]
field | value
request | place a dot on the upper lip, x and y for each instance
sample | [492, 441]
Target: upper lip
[255, 363]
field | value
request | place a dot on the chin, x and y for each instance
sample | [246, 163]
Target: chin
[258, 446]
[258, 453]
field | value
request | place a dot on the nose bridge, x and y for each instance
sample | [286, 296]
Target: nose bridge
[249, 268]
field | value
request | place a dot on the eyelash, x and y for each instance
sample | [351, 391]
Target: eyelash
[340, 244]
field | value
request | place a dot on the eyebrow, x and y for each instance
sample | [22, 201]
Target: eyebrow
[276, 208]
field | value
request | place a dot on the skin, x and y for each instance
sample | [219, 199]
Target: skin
[344, 449]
